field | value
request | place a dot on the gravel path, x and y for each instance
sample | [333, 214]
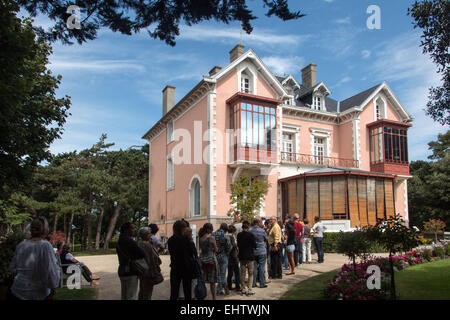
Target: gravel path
[109, 288]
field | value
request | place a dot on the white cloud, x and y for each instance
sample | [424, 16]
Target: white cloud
[284, 64]
[259, 37]
[96, 65]
[366, 53]
[345, 20]
[342, 81]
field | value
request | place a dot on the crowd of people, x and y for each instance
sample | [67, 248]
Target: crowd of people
[238, 257]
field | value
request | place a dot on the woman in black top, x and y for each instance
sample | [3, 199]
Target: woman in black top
[181, 262]
[290, 243]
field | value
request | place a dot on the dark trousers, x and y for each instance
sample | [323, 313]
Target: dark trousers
[275, 263]
[298, 253]
[175, 280]
[318, 243]
[233, 268]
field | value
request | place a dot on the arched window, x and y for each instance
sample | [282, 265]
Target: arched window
[247, 79]
[380, 107]
[195, 197]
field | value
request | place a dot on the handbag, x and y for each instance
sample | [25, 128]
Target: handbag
[157, 279]
[200, 290]
[140, 265]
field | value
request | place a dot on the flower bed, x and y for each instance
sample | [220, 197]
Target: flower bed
[351, 281]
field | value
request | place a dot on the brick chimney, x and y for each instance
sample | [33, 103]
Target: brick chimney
[236, 52]
[309, 79]
[168, 98]
[214, 70]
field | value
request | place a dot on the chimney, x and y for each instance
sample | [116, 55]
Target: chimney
[309, 75]
[236, 52]
[214, 70]
[168, 98]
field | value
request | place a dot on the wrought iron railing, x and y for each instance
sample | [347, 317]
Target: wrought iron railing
[318, 160]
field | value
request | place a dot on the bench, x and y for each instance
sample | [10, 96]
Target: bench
[64, 275]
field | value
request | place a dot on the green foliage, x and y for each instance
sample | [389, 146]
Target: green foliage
[32, 116]
[429, 188]
[9, 215]
[128, 17]
[354, 245]
[7, 248]
[433, 17]
[439, 251]
[247, 195]
[395, 237]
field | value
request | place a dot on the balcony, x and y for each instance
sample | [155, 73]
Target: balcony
[290, 157]
[252, 154]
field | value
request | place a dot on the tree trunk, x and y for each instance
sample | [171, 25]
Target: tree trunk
[69, 227]
[65, 224]
[55, 223]
[83, 233]
[89, 223]
[112, 225]
[393, 294]
[99, 229]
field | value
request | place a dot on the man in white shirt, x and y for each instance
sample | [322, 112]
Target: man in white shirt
[318, 230]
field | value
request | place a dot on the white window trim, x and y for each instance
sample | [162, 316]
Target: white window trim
[321, 133]
[191, 198]
[322, 102]
[170, 185]
[253, 75]
[170, 133]
[383, 110]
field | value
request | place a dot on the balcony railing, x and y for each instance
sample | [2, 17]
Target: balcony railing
[318, 160]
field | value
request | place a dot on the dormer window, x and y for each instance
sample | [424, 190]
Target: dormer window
[245, 83]
[318, 103]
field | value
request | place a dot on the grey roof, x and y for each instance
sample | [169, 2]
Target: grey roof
[339, 169]
[280, 78]
[357, 99]
[303, 96]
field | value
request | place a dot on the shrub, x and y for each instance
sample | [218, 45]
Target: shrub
[447, 249]
[7, 248]
[329, 242]
[354, 245]
[439, 252]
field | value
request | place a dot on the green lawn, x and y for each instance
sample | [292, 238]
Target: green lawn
[426, 281]
[85, 293]
[94, 252]
[310, 289]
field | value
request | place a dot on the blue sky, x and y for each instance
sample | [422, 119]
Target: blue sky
[115, 81]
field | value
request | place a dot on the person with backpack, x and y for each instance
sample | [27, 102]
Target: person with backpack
[233, 262]
[223, 250]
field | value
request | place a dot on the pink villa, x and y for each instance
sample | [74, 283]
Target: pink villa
[345, 161]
